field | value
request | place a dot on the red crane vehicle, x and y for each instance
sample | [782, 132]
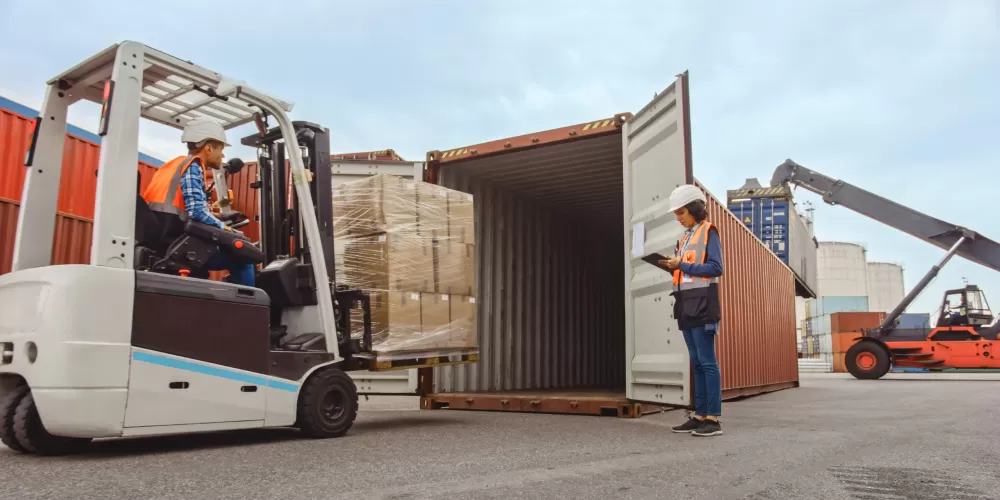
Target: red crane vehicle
[965, 333]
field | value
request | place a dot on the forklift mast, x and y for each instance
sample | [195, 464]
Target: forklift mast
[957, 240]
[280, 223]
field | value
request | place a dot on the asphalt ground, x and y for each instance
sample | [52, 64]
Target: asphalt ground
[908, 436]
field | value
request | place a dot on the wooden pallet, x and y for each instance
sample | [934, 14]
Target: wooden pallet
[379, 362]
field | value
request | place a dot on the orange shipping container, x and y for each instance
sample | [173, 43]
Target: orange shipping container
[855, 321]
[843, 341]
[839, 365]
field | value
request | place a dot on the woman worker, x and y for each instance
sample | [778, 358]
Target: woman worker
[697, 265]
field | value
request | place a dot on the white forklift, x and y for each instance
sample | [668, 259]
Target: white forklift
[138, 343]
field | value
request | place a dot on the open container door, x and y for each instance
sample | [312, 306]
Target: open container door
[656, 159]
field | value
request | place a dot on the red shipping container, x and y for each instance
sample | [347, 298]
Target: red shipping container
[77, 187]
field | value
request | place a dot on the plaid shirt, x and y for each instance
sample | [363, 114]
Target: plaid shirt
[195, 199]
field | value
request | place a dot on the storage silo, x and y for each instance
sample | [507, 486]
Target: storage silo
[842, 270]
[885, 286]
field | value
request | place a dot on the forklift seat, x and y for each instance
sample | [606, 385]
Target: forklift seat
[167, 244]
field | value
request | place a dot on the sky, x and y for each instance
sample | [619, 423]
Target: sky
[897, 98]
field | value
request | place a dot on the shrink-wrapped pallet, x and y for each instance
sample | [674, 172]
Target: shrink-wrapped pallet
[410, 246]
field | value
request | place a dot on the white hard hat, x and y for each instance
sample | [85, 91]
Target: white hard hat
[199, 129]
[686, 194]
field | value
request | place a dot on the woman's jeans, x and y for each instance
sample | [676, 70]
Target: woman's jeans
[707, 382]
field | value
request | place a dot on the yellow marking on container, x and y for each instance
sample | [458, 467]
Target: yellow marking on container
[606, 123]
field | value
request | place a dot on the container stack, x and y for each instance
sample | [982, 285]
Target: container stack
[770, 214]
[845, 329]
[410, 245]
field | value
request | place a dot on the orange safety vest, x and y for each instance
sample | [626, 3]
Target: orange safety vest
[163, 194]
[693, 251]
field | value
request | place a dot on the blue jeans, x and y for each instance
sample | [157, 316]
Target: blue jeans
[240, 274]
[707, 381]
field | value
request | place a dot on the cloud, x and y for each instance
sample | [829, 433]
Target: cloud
[898, 100]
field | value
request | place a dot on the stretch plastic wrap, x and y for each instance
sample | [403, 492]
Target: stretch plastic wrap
[410, 245]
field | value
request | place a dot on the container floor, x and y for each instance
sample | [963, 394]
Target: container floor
[599, 402]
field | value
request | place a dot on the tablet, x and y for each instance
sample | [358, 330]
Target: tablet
[654, 259]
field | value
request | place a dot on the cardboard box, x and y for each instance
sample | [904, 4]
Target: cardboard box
[456, 268]
[463, 320]
[435, 313]
[381, 203]
[388, 262]
[461, 218]
[395, 320]
[432, 210]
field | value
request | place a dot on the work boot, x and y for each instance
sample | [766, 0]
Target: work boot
[708, 428]
[690, 426]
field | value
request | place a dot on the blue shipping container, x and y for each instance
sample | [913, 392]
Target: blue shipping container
[834, 304]
[914, 320]
[777, 224]
[767, 219]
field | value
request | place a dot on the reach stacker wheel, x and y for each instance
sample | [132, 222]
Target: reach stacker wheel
[867, 360]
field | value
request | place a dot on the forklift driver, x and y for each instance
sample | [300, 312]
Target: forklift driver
[182, 182]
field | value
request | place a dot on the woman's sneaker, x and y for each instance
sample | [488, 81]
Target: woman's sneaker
[708, 428]
[690, 426]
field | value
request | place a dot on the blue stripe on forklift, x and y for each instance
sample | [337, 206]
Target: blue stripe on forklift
[181, 364]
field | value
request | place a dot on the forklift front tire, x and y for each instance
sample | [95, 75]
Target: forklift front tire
[7, 409]
[867, 360]
[32, 436]
[328, 404]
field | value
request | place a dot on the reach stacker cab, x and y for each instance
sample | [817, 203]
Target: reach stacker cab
[138, 342]
[965, 334]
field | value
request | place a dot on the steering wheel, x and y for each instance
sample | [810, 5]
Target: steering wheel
[235, 219]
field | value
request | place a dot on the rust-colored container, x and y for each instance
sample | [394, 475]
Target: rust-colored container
[855, 321]
[756, 346]
[839, 364]
[70, 245]
[381, 155]
[551, 286]
[843, 341]
[78, 181]
[78, 187]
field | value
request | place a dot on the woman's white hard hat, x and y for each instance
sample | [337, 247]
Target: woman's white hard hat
[200, 129]
[686, 194]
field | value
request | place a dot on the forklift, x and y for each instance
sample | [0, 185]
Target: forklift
[965, 333]
[139, 342]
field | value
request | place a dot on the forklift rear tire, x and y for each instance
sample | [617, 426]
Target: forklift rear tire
[7, 409]
[867, 360]
[328, 404]
[33, 437]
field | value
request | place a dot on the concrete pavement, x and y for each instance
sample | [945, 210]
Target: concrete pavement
[909, 436]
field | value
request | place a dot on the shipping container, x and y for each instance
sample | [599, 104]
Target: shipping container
[885, 286]
[827, 305]
[914, 320]
[842, 269]
[841, 322]
[773, 218]
[77, 185]
[563, 325]
[78, 181]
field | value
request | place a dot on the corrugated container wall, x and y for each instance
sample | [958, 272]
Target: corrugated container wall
[777, 224]
[549, 228]
[77, 186]
[885, 286]
[843, 270]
